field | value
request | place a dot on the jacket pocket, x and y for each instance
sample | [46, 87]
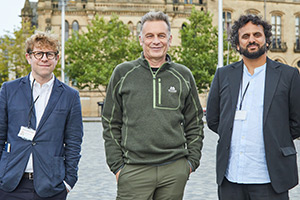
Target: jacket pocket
[287, 151]
[59, 169]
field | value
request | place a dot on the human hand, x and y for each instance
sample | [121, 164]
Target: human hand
[117, 175]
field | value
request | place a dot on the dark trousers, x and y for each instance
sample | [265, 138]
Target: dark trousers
[234, 191]
[25, 191]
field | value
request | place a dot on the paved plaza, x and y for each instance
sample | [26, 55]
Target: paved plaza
[96, 182]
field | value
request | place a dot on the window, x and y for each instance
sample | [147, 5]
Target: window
[227, 21]
[66, 30]
[130, 25]
[297, 33]
[75, 26]
[138, 29]
[276, 32]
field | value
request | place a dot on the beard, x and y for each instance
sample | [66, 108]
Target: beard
[253, 55]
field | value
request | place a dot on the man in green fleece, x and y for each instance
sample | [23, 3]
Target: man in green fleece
[152, 119]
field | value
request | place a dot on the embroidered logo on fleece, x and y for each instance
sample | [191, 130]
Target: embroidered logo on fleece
[172, 89]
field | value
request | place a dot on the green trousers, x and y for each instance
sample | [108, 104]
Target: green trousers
[147, 182]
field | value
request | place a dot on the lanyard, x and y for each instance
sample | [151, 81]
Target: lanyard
[32, 104]
[243, 94]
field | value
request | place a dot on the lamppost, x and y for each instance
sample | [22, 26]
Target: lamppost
[63, 4]
[220, 35]
[265, 9]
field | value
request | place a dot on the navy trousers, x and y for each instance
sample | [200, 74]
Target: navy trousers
[25, 191]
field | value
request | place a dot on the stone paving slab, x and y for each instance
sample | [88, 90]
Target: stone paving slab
[96, 182]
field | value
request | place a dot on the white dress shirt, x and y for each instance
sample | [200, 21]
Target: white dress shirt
[43, 92]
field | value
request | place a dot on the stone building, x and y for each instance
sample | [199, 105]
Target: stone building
[284, 15]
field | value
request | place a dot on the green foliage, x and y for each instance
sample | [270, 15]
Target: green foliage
[199, 48]
[92, 56]
[12, 53]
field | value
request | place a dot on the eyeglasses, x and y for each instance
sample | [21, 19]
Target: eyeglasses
[39, 54]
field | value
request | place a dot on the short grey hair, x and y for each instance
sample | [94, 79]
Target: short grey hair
[155, 16]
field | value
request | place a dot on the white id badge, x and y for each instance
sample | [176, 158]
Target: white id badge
[26, 133]
[240, 115]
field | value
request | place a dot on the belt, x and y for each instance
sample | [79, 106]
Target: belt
[28, 175]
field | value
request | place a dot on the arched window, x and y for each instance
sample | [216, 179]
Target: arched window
[131, 27]
[66, 30]
[227, 21]
[138, 29]
[75, 26]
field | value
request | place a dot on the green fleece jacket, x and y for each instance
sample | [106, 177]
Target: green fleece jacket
[152, 118]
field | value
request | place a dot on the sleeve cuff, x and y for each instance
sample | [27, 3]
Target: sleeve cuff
[118, 169]
[191, 166]
[67, 186]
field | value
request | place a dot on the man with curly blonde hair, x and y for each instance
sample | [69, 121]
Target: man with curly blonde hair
[40, 128]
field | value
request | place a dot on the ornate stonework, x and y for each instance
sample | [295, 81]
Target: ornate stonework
[130, 12]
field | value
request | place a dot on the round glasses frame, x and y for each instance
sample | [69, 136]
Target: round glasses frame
[40, 54]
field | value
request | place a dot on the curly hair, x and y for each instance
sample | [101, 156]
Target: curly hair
[42, 39]
[242, 21]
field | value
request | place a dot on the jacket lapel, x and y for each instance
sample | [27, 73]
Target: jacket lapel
[53, 100]
[25, 87]
[234, 77]
[271, 82]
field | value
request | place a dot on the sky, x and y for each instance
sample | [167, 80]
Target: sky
[9, 15]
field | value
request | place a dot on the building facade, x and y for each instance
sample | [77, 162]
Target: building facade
[284, 15]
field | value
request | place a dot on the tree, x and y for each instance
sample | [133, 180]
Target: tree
[12, 53]
[199, 48]
[92, 56]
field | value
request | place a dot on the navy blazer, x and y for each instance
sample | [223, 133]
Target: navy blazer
[281, 119]
[56, 145]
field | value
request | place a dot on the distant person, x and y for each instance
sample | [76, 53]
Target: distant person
[40, 129]
[254, 107]
[152, 119]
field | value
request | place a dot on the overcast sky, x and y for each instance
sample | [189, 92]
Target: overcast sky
[10, 10]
